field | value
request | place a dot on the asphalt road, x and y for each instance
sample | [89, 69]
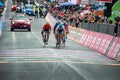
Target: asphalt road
[23, 57]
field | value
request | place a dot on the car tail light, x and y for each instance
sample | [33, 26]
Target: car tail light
[13, 22]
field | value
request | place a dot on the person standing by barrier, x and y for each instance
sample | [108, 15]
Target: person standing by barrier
[117, 20]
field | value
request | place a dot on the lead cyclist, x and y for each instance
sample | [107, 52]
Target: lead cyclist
[60, 33]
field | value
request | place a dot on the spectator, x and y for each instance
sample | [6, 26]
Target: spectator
[77, 23]
[110, 22]
[40, 12]
[116, 28]
[36, 10]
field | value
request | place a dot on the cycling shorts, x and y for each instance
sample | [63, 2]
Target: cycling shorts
[60, 31]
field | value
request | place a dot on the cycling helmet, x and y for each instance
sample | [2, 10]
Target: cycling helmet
[47, 23]
[60, 26]
[59, 21]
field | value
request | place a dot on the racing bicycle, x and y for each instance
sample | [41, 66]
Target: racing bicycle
[60, 41]
[45, 38]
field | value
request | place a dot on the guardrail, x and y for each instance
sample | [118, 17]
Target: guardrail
[105, 44]
[101, 27]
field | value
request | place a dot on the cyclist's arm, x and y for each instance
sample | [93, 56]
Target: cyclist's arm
[56, 29]
[42, 30]
[50, 28]
[64, 29]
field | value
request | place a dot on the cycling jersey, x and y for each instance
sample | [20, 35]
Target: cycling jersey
[66, 25]
[47, 27]
[60, 28]
[55, 26]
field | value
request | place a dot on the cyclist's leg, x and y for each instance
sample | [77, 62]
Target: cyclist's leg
[44, 36]
[48, 33]
[61, 38]
[42, 32]
[57, 38]
[66, 33]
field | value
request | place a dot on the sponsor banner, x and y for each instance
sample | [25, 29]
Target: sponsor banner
[95, 35]
[79, 35]
[108, 1]
[75, 34]
[50, 19]
[89, 39]
[84, 37]
[98, 41]
[73, 1]
[105, 43]
[114, 49]
[72, 32]
[83, 1]
[78, 1]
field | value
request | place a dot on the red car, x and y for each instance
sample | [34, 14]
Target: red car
[20, 22]
[13, 7]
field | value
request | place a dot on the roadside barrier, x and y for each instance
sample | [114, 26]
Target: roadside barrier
[89, 38]
[98, 41]
[102, 43]
[84, 36]
[94, 40]
[105, 43]
[114, 49]
[74, 34]
[50, 19]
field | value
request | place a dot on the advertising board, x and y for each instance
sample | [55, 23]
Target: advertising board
[106, 1]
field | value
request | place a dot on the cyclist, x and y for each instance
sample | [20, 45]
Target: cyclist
[66, 32]
[55, 26]
[46, 28]
[66, 27]
[60, 32]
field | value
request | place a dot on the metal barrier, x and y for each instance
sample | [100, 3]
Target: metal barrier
[100, 27]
